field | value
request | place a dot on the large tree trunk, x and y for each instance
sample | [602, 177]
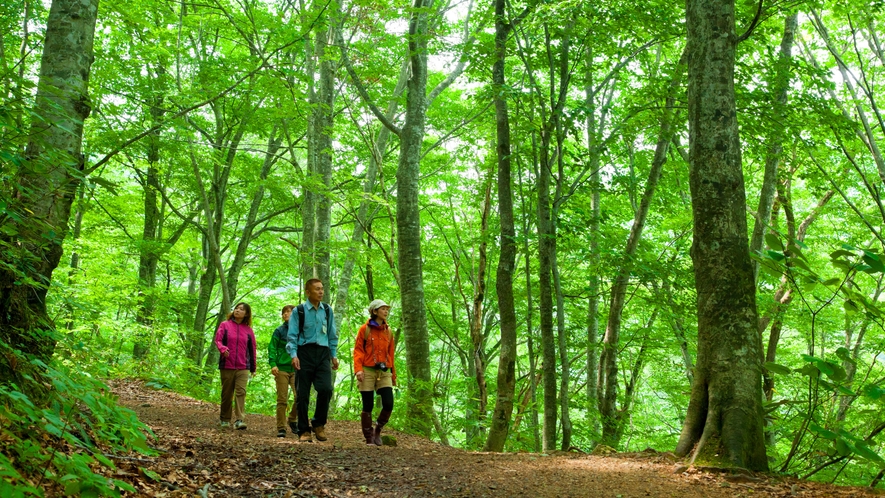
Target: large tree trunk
[724, 418]
[507, 258]
[408, 224]
[47, 181]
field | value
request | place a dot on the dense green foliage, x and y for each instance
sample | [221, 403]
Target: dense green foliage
[224, 89]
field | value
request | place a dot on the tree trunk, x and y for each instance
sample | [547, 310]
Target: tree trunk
[362, 223]
[408, 224]
[47, 181]
[148, 249]
[506, 382]
[545, 269]
[608, 362]
[324, 128]
[477, 335]
[724, 418]
[593, 280]
[779, 88]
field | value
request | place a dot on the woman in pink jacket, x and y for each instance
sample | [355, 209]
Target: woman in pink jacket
[236, 344]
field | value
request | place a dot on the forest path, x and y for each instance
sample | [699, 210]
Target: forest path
[200, 459]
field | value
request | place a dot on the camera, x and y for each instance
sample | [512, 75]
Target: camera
[382, 366]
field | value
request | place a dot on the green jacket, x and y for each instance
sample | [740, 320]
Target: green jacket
[277, 355]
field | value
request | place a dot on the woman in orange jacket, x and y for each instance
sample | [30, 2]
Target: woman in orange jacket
[373, 363]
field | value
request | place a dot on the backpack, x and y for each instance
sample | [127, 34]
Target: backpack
[300, 310]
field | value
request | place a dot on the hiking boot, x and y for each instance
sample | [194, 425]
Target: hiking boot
[305, 437]
[293, 426]
[320, 431]
[383, 417]
[225, 424]
[240, 425]
[281, 432]
[368, 431]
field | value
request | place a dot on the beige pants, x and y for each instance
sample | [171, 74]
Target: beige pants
[285, 381]
[375, 378]
[233, 391]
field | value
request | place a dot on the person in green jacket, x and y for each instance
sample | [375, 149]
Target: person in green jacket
[284, 374]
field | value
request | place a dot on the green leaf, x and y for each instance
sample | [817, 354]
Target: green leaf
[777, 369]
[841, 254]
[820, 431]
[874, 262]
[777, 256]
[150, 474]
[773, 242]
[873, 391]
[864, 451]
[842, 447]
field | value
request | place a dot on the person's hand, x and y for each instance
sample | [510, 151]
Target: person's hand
[274, 371]
[394, 380]
[334, 363]
[296, 364]
[360, 375]
[226, 353]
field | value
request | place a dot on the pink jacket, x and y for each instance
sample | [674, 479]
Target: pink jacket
[239, 340]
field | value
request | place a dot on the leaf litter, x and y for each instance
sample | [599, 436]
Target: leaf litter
[197, 458]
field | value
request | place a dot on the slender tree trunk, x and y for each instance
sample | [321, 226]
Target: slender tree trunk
[724, 418]
[362, 223]
[324, 129]
[545, 265]
[779, 88]
[477, 335]
[506, 382]
[408, 224]
[148, 248]
[608, 363]
[593, 280]
[47, 181]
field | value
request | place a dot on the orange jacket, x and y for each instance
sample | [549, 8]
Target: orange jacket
[373, 348]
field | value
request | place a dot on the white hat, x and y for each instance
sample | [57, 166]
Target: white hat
[374, 305]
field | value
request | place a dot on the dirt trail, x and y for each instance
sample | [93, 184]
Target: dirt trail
[198, 459]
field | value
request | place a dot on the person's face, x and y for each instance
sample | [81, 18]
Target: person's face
[383, 312]
[239, 312]
[315, 292]
[286, 315]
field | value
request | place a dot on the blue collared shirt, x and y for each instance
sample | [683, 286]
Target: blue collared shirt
[315, 329]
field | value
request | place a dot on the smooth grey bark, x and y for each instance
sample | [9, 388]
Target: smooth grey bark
[323, 123]
[593, 280]
[723, 423]
[47, 180]
[608, 362]
[408, 224]
[506, 380]
[779, 87]
[376, 159]
[477, 312]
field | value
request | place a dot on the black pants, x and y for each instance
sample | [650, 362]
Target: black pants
[316, 371]
[386, 394]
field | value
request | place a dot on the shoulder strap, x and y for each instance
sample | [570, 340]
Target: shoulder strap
[300, 310]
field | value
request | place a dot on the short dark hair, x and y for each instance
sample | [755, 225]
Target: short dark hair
[286, 308]
[247, 320]
[310, 282]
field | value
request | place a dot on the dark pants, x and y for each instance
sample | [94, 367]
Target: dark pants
[316, 371]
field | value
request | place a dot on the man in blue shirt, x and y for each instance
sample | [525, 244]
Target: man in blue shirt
[313, 347]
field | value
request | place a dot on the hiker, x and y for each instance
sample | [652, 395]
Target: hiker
[313, 346]
[284, 374]
[373, 363]
[236, 347]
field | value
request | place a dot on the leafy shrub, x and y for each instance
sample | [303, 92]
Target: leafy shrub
[66, 439]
